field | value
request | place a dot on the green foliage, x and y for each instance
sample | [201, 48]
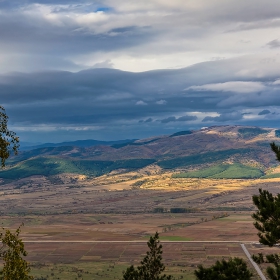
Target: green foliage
[267, 217]
[8, 138]
[223, 171]
[49, 166]
[251, 132]
[272, 272]
[208, 157]
[267, 222]
[277, 133]
[151, 266]
[12, 253]
[233, 269]
[180, 133]
[271, 176]
[276, 150]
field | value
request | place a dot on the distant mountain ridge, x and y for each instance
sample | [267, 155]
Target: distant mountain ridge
[213, 152]
[77, 143]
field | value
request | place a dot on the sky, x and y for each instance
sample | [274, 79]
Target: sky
[120, 69]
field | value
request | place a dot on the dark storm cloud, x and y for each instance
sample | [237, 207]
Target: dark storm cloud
[148, 120]
[180, 119]
[169, 119]
[274, 44]
[108, 101]
[39, 36]
[233, 116]
[102, 95]
[264, 112]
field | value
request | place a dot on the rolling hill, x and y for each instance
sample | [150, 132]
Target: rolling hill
[214, 152]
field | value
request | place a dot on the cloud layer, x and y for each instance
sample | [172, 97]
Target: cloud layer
[114, 104]
[114, 69]
[133, 36]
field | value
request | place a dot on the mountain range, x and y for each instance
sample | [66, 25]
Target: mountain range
[213, 152]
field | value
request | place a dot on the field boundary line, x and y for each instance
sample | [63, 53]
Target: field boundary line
[132, 241]
[252, 262]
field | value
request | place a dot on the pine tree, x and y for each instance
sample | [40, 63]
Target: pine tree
[267, 222]
[267, 217]
[151, 266]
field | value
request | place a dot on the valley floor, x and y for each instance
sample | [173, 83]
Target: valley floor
[64, 224]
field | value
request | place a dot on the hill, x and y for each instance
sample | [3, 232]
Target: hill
[214, 152]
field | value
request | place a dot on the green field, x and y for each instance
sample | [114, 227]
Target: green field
[48, 166]
[269, 176]
[209, 157]
[97, 270]
[223, 171]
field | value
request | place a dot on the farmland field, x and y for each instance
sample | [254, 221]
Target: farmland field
[108, 260]
[95, 228]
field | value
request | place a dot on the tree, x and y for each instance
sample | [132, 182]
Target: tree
[233, 269]
[272, 272]
[151, 266]
[12, 251]
[267, 222]
[8, 138]
[267, 217]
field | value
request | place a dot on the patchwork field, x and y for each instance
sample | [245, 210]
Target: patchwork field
[95, 228]
[109, 260]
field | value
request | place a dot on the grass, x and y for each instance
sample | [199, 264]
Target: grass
[98, 270]
[170, 238]
[49, 166]
[82, 270]
[270, 176]
[208, 157]
[223, 171]
[174, 238]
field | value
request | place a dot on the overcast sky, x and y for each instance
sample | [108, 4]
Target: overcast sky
[118, 69]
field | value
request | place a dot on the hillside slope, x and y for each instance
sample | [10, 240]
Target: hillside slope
[194, 153]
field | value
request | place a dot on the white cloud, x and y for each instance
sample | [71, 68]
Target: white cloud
[141, 103]
[276, 83]
[161, 102]
[236, 86]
